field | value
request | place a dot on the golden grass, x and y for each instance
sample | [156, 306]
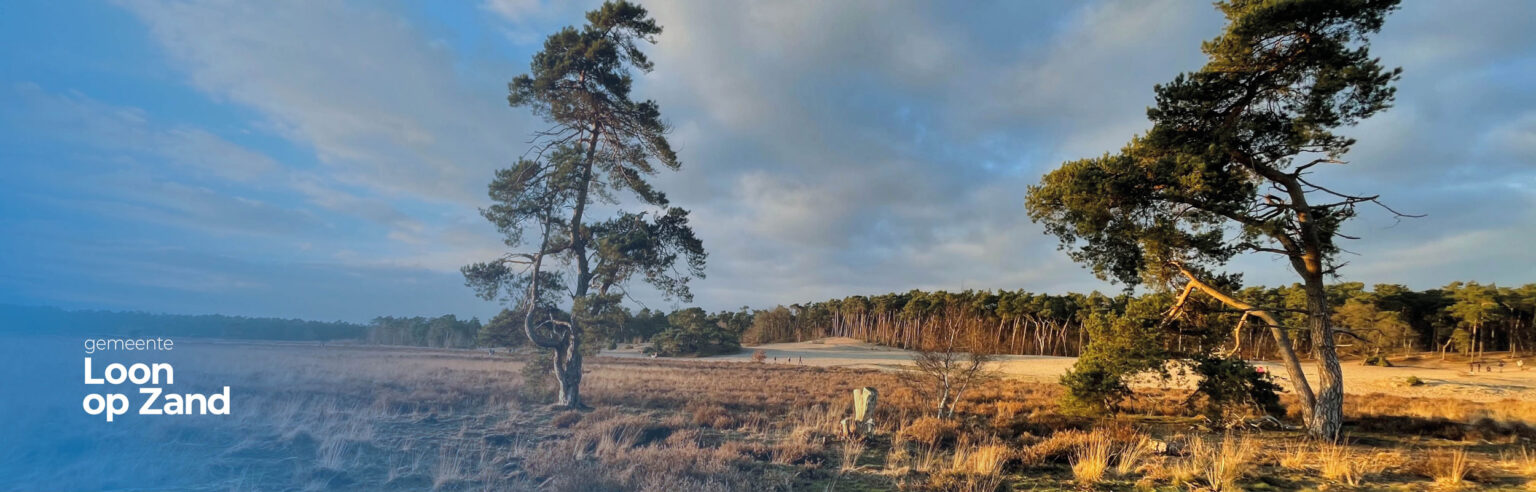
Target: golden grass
[453, 420]
[931, 431]
[1340, 463]
[973, 468]
[1132, 454]
[852, 450]
[1522, 462]
[1091, 459]
[1449, 468]
[1217, 464]
[980, 459]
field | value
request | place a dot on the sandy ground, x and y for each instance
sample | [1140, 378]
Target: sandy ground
[1440, 380]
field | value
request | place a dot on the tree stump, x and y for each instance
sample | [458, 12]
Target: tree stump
[862, 424]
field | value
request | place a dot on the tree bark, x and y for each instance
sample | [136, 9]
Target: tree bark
[568, 374]
[1328, 413]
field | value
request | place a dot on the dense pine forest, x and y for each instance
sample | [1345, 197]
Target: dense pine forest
[1462, 317]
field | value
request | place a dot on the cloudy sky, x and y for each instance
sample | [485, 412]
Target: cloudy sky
[325, 159]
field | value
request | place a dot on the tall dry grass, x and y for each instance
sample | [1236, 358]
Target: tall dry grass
[1090, 460]
[1449, 468]
[1216, 464]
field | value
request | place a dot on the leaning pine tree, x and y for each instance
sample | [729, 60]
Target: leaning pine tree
[599, 143]
[1227, 169]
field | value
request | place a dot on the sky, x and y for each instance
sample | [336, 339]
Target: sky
[326, 159]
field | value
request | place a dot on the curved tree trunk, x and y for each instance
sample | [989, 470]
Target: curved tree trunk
[1299, 383]
[568, 374]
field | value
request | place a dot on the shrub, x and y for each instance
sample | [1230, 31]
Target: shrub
[1230, 386]
[675, 342]
[695, 333]
[1119, 347]
[932, 431]
[1057, 448]
[759, 356]
[538, 379]
[1092, 390]
[1413, 381]
[566, 419]
[1377, 360]
[710, 415]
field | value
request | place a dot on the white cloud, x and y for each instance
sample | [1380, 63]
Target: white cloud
[829, 148]
[377, 101]
[512, 10]
[81, 120]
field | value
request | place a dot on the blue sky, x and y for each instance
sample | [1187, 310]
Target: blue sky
[325, 160]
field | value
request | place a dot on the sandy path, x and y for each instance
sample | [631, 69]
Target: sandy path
[1450, 381]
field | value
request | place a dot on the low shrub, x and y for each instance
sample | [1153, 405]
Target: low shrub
[931, 431]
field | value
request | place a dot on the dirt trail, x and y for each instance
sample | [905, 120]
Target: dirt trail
[1448, 381]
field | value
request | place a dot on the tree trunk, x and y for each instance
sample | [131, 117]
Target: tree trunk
[568, 374]
[568, 358]
[1328, 413]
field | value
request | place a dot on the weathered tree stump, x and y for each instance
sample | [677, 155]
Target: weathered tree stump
[862, 423]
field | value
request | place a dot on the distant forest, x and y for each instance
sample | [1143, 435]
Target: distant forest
[442, 331]
[1462, 317]
[55, 321]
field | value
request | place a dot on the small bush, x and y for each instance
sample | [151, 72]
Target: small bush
[1092, 390]
[759, 356]
[538, 377]
[1378, 361]
[1055, 449]
[1231, 386]
[565, 419]
[931, 431]
[1413, 381]
[711, 415]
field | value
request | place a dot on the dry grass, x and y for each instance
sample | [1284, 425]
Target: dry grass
[1340, 463]
[1132, 454]
[1522, 462]
[980, 459]
[931, 431]
[1295, 457]
[1449, 468]
[852, 450]
[1091, 459]
[421, 419]
[1216, 464]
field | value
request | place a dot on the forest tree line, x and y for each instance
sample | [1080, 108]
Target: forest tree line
[446, 331]
[443, 331]
[683, 332]
[55, 321]
[1467, 318]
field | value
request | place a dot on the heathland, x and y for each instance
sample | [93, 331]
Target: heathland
[374, 418]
